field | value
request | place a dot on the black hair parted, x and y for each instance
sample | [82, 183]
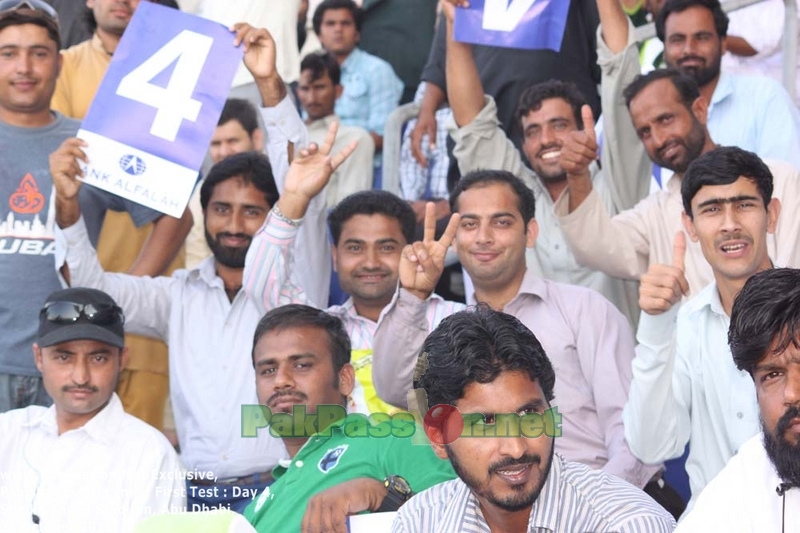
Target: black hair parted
[475, 346]
[723, 166]
[766, 317]
[252, 167]
[526, 202]
[373, 202]
[299, 316]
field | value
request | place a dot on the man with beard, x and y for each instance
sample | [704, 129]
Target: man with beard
[548, 113]
[202, 314]
[339, 465]
[685, 388]
[752, 112]
[759, 489]
[670, 117]
[487, 362]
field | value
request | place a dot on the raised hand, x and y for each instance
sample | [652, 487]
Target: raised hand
[448, 7]
[580, 147]
[259, 49]
[664, 285]
[310, 172]
[422, 263]
[65, 167]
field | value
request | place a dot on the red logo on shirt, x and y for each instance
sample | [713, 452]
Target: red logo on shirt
[27, 199]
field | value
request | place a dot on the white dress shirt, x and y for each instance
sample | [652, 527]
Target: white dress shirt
[104, 476]
[743, 498]
[686, 388]
[210, 341]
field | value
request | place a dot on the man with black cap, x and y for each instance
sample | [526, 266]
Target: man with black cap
[83, 464]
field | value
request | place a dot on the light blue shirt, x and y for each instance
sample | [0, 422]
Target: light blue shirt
[371, 91]
[755, 113]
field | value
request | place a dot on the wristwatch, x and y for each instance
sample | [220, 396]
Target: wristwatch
[398, 492]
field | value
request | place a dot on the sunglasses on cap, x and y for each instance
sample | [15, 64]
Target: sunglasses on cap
[70, 312]
[7, 6]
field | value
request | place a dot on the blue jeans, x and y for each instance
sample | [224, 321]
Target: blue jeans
[222, 495]
[17, 392]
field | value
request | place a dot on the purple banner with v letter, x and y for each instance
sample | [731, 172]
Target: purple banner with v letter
[526, 24]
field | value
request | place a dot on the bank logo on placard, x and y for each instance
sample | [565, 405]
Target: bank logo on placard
[133, 165]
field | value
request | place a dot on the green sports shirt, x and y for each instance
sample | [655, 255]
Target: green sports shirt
[328, 460]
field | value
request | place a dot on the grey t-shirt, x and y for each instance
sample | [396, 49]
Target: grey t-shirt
[27, 222]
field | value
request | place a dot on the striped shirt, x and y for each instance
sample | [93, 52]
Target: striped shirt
[574, 499]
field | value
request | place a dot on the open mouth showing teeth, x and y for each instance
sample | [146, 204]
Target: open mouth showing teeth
[551, 155]
[516, 472]
[728, 248]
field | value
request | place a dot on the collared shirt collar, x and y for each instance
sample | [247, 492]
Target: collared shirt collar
[531, 285]
[723, 89]
[102, 427]
[325, 122]
[352, 58]
[206, 271]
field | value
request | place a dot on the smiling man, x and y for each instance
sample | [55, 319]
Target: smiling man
[688, 390]
[485, 361]
[752, 112]
[549, 114]
[759, 489]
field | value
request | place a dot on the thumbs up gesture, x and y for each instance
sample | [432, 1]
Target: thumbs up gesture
[664, 285]
[580, 147]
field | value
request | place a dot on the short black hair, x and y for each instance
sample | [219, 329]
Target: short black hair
[532, 98]
[480, 178]
[766, 311]
[316, 20]
[22, 15]
[373, 202]
[475, 346]
[252, 167]
[299, 316]
[685, 85]
[321, 63]
[723, 166]
[242, 112]
[676, 6]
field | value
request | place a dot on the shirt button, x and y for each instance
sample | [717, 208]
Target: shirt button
[556, 247]
[298, 464]
[739, 415]
[225, 457]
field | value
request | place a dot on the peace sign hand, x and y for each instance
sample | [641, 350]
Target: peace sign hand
[310, 172]
[422, 263]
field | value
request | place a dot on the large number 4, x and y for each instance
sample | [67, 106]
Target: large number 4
[173, 103]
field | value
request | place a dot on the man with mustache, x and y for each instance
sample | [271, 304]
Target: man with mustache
[759, 488]
[318, 90]
[202, 314]
[548, 114]
[670, 117]
[83, 464]
[752, 112]
[484, 361]
[337, 467]
[685, 388]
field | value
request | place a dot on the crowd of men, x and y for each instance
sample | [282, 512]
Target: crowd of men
[626, 239]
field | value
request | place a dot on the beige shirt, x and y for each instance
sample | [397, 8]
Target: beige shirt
[355, 174]
[626, 244]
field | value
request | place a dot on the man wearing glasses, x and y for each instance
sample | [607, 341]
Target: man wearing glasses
[29, 133]
[83, 464]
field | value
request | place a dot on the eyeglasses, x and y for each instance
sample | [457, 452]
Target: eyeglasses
[70, 312]
[7, 6]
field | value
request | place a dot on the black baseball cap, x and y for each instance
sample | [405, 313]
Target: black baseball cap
[81, 314]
